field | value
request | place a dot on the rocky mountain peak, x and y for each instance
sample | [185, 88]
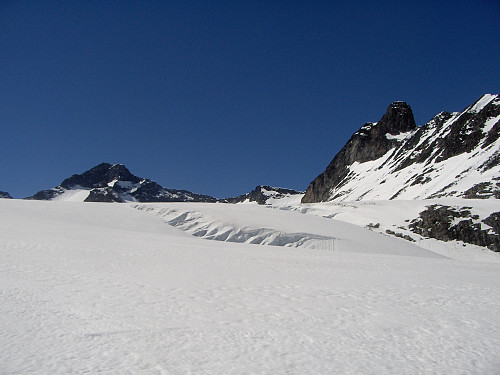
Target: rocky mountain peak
[370, 142]
[397, 119]
[100, 176]
[375, 139]
[115, 183]
[455, 154]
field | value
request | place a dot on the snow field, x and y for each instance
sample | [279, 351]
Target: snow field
[108, 288]
[251, 223]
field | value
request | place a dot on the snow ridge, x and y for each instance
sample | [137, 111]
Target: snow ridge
[262, 225]
[201, 225]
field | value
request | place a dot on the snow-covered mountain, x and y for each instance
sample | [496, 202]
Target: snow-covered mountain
[453, 155]
[264, 194]
[114, 183]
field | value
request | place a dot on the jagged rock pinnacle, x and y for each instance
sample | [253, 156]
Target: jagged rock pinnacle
[397, 119]
[368, 143]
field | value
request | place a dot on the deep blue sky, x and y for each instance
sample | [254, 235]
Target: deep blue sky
[219, 96]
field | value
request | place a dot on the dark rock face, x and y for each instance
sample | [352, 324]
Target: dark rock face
[483, 190]
[436, 222]
[150, 191]
[494, 222]
[368, 143]
[100, 176]
[474, 132]
[261, 194]
[115, 183]
[46, 195]
[106, 195]
[5, 195]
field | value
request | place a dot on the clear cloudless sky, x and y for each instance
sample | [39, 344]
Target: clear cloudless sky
[217, 97]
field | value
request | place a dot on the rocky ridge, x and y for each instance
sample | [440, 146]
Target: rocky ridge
[263, 194]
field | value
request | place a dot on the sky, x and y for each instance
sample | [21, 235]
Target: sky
[217, 97]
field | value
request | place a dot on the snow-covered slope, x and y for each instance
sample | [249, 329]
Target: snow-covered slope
[114, 183]
[454, 155]
[253, 225]
[112, 289]
[468, 231]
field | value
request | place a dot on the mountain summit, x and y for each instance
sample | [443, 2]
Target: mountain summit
[115, 183]
[100, 176]
[454, 154]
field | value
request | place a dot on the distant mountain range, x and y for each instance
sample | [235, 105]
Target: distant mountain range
[453, 155]
[115, 183]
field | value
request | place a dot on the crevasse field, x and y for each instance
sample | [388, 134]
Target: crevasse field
[193, 288]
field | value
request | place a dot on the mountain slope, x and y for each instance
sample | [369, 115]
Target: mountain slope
[114, 183]
[454, 154]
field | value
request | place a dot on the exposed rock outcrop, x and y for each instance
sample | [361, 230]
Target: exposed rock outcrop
[448, 223]
[368, 143]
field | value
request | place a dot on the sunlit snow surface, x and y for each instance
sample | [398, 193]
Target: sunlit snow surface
[118, 289]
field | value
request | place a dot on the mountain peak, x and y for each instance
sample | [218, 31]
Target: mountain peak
[115, 183]
[100, 176]
[370, 142]
[398, 118]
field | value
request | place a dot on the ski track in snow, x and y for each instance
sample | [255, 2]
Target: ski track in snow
[105, 288]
